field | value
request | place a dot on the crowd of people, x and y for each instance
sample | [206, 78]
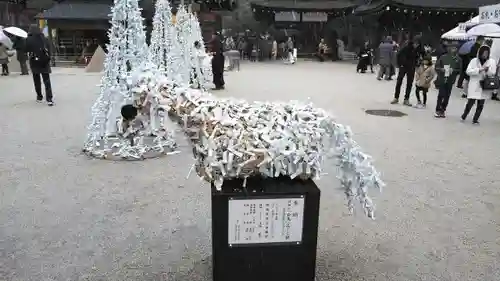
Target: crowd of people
[475, 71]
[258, 48]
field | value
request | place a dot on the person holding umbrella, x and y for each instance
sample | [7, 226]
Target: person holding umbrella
[20, 47]
[38, 50]
[463, 53]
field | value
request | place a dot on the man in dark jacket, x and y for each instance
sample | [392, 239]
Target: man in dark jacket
[385, 54]
[217, 62]
[20, 47]
[447, 67]
[407, 59]
[38, 50]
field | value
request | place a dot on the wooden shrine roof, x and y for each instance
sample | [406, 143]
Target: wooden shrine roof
[90, 10]
[77, 11]
[307, 5]
[457, 5]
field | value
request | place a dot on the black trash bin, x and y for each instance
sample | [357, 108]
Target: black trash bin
[265, 232]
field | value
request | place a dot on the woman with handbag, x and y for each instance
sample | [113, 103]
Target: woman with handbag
[482, 82]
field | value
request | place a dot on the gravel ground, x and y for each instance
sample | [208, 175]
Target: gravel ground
[65, 217]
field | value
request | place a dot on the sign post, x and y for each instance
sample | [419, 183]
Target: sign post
[267, 231]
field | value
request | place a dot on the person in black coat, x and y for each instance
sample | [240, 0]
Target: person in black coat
[408, 59]
[217, 62]
[364, 61]
[20, 47]
[39, 54]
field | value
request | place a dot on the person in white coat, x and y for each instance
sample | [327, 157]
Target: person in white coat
[479, 68]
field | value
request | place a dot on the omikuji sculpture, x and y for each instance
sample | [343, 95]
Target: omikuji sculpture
[230, 138]
[237, 139]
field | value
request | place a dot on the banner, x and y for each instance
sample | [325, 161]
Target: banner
[287, 16]
[314, 17]
[489, 14]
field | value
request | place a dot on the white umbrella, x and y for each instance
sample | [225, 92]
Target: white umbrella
[456, 34]
[4, 39]
[16, 31]
[484, 29]
[493, 35]
[472, 22]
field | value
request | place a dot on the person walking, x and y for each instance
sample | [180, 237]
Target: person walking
[274, 50]
[407, 59]
[423, 77]
[448, 67]
[289, 47]
[468, 58]
[39, 53]
[494, 94]
[20, 47]
[322, 49]
[340, 49]
[4, 59]
[217, 62]
[385, 53]
[394, 61]
[480, 70]
[242, 47]
[364, 56]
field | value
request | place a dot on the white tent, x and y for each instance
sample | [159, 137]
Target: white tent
[459, 33]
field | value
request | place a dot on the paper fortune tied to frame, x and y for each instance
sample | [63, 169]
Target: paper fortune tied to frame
[237, 139]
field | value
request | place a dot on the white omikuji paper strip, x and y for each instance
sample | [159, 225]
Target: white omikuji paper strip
[237, 139]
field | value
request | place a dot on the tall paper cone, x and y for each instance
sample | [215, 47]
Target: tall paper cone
[96, 64]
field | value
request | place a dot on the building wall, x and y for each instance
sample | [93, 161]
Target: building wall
[19, 15]
[241, 18]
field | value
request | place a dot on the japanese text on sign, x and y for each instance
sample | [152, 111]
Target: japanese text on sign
[489, 14]
[253, 221]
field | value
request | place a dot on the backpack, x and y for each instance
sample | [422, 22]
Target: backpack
[40, 56]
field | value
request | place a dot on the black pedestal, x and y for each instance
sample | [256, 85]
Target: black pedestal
[245, 250]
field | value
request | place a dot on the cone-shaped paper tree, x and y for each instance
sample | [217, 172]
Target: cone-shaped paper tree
[183, 28]
[127, 50]
[163, 37]
[200, 64]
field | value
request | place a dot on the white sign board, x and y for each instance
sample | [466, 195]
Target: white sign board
[287, 16]
[489, 14]
[314, 17]
[256, 221]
